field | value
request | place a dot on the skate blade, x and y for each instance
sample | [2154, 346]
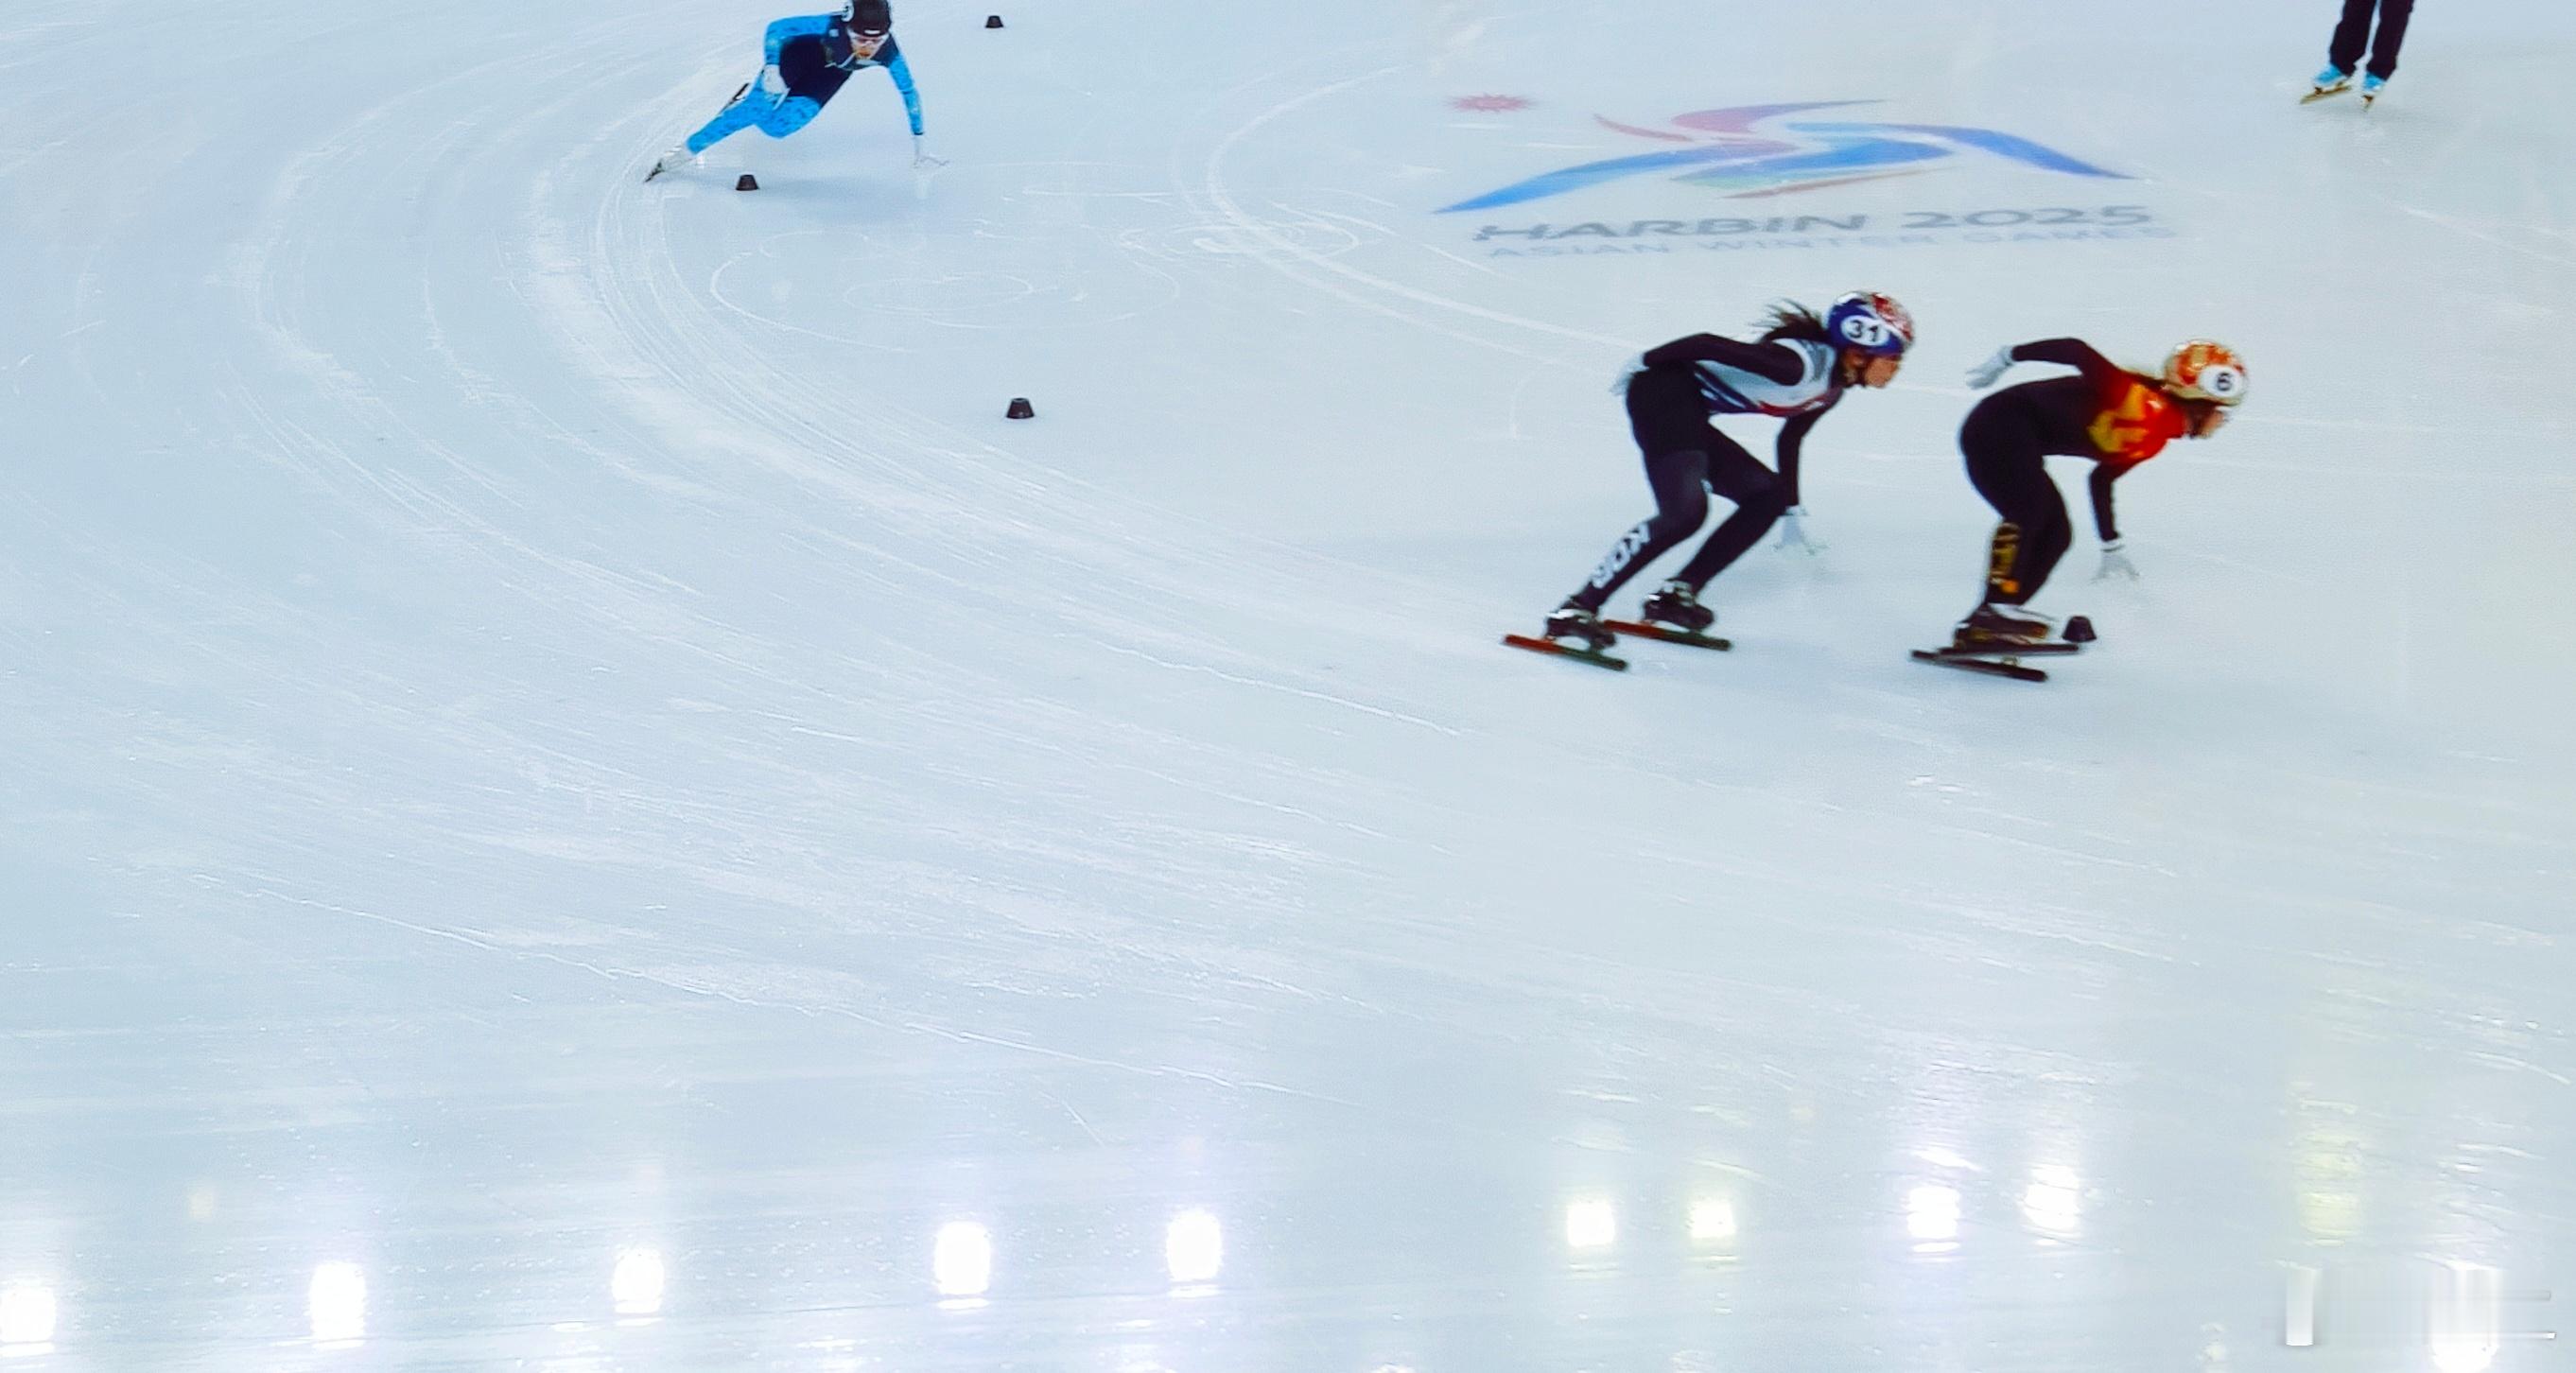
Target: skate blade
[1648, 629]
[1986, 666]
[1595, 657]
[2039, 648]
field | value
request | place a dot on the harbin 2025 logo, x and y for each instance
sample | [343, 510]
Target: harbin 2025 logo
[1762, 150]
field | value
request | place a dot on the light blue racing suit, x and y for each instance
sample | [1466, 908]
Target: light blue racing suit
[797, 48]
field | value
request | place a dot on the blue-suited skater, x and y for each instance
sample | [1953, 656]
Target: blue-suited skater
[805, 62]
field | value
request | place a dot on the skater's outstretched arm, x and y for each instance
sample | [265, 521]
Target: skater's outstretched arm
[1792, 447]
[2068, 352]
[901, 71]
[1776, 362]
[2104, 474]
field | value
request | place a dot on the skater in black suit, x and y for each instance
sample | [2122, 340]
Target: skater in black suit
[2352, 35]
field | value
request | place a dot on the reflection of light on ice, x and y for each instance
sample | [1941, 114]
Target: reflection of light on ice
[26, 1319]
[636, 1285]
[961, 1261]
[1712, 1221]
[2466, 1319]
[1194, 1247]
[1591, 1225]
[337, 1303]
[2054, 1203]
[2299, 1308]
[2329, 1170]
[2213, 1348]
[1932, 1218]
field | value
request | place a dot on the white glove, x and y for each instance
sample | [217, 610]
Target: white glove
[921, 156]
[2115, 564]
[1988, 372]
[772, 84]
[1793, 532]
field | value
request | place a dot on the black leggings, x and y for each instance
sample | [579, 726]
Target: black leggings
[2009, 469]
[1686, 462]
[2354, 31]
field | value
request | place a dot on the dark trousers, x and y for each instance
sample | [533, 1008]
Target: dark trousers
[1686, 463]
[2008, 468]
[2353, 34]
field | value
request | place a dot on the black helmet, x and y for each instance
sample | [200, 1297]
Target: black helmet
[868, 16]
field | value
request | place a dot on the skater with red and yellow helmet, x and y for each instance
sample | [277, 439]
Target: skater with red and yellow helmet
[2114, 416]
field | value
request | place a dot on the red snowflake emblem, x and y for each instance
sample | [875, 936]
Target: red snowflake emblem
[1490, 104]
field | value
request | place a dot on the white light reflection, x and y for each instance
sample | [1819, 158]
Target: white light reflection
[27, 1314]
[337, 1303]
[1591, 1225]
[2299, 1308]
[1193, 1248]
[1932, 1218]
[2467, 1319]
[2054, 1203]
[1712, 1222]
[2329, 1169]
[961, 1261]
[637, 1282]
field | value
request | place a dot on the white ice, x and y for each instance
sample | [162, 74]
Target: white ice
[576, 798]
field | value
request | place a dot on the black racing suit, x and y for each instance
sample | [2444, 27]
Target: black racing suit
[2352, 33]
[2112, 416]
[1687, 460]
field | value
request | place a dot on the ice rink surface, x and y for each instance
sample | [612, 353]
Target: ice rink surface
[576, 798]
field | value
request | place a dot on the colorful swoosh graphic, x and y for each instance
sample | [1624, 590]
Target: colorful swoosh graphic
[1728, 151]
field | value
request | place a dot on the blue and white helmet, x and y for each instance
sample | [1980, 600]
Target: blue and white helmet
[1870, 323]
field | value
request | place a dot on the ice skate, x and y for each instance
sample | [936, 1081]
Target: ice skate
[2371, 86]
[1575, 621]
[2001, 626]
[676, 159]
[2333, 80]
[1677, 604]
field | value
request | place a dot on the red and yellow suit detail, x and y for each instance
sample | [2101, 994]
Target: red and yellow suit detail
[2137, 419]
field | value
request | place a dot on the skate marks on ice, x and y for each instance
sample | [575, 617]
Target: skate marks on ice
[772, 706]
[1327, 274]
[666, 423]
[883, 281]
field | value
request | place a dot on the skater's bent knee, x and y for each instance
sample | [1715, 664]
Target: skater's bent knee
[1680, 517]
